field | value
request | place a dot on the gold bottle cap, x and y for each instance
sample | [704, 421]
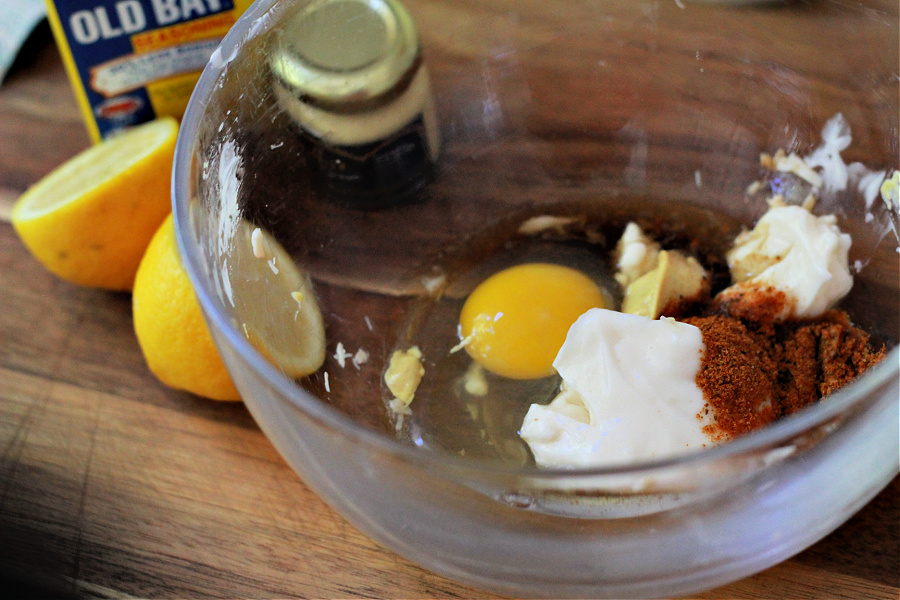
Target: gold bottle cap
[347, 55]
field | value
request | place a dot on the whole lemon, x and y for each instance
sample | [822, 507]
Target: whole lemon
[170, 327]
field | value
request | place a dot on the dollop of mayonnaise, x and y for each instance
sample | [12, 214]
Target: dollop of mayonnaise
[797, 253]
[636, 254]
[628, 393]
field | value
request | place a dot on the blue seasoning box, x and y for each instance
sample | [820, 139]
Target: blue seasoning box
[131, 61]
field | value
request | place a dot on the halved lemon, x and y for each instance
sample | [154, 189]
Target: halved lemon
[90, 220]
[274, 302]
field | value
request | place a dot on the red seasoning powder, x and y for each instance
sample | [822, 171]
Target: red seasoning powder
[754, 372]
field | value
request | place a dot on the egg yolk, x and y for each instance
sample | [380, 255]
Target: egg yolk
[514, 323]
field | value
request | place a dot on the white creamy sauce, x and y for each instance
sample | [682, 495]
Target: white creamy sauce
[808, 257]
[628, 394]
[629, 389]
[636, 254]
[836, 138]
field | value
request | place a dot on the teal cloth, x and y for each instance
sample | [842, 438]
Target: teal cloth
[18, 18]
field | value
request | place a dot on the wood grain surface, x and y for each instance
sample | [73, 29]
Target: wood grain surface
[113, 486]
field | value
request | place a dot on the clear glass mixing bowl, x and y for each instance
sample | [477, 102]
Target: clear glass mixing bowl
[593, 112]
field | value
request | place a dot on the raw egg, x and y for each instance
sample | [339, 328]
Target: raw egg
[514, 323]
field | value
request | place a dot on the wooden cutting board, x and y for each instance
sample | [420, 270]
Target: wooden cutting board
[113, 486]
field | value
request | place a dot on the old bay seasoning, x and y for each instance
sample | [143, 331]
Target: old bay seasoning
[131, 61]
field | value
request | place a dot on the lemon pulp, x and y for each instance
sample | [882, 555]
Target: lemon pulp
[90, 220]
[273, 301]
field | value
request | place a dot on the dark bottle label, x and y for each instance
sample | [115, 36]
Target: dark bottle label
[378, 173]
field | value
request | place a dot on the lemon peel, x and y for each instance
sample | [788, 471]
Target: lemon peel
[169, 324]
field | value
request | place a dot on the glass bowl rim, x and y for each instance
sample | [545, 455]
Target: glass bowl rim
[771, 436]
